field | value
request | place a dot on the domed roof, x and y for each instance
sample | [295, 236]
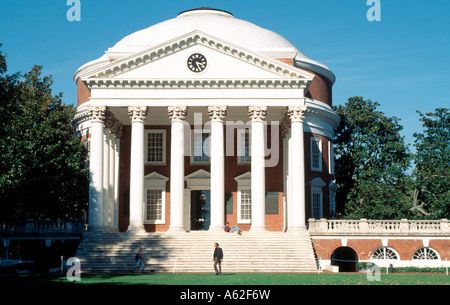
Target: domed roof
[220, 24]
[217, 23]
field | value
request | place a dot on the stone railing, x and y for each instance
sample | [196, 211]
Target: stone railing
[379, 227]
[42, 227]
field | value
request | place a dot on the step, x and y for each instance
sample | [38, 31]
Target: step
[192, 252]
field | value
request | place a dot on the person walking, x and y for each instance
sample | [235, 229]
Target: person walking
[139, 261]
[218, 258]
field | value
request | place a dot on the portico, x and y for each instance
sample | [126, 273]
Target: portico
[196, 112]
[103, 167]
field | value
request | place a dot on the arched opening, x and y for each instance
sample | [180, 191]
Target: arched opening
[346, 258]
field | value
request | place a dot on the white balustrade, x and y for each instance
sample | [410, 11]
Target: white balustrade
[378, 227]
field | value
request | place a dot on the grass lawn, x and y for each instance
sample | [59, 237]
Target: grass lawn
[234, 279]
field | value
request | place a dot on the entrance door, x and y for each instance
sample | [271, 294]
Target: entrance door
[346, 258]
[200, 210]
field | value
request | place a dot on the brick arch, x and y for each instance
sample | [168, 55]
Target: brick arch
[405, 247]
[346, 258]
[364, 247]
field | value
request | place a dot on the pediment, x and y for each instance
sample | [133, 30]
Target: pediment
[318, 182]
[155, 177]
[165, 66]
[200, 174]
[244, 177]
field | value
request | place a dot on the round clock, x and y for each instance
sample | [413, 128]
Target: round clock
[197, 62]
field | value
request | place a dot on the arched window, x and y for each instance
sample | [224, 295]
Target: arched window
[425, 253]
[384, 253]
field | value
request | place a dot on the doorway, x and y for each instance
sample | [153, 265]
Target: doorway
[200, 210]
[346, 258]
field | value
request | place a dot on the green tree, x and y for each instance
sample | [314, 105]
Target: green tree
[42, 172]
[432, 159]
[371, 163]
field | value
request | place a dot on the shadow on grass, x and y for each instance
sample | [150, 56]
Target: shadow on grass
[198, 279]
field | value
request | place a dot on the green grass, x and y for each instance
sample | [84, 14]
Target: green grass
[228, 279]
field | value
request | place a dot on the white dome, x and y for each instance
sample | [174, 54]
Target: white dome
[220, 24]
[217, 23]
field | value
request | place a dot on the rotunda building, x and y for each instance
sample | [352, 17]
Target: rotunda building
[205, 119]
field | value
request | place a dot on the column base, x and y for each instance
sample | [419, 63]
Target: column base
[216, 228]
[297, 229]
[258, 229]
[136, 230]
[176, 229]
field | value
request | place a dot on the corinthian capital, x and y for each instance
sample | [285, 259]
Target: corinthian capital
[177, 113]
[297, 113]
[217, 113]
[98, 114]
[137, 114]
[257, 113]
[117, 129]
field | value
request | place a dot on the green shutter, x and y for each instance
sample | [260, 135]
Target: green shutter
[271, 203]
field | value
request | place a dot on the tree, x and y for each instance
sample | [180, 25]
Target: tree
[371, 162]
[432, 159]
[42, 172]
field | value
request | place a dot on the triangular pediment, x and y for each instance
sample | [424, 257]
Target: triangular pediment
[318, 182]
[155, 177]
[200, 174]
[244, 176]
[165, 66]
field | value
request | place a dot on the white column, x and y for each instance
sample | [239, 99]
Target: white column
[285, 124]
[116, 182]
[112, 166]
[177, 116]
[137, 116]
[297, 175]
[217, 115]
[106, 194]
[258, 187]
[96, 168]
[116, 130]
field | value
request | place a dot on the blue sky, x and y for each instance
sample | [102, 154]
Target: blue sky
[400, 61]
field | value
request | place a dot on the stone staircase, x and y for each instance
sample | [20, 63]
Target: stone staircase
[192, 252]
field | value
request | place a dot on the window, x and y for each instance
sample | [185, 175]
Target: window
[425, 253]
[332, 204]
[200, 147]
[316, 154]
[156, 146]
[331, 157]
[155, 198]
[154, 205]
[384, 253]
[332, 187]
[317, 185]
[245, 206]
[244, 200]
[316, 203]
[243, 145]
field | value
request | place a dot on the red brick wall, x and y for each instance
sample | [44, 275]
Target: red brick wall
[324, 174]
[274, 181]
[321, 87]
[365, 247]
[83, 93]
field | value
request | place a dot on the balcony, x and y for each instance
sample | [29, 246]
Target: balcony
[42, 228]
[366, 227]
